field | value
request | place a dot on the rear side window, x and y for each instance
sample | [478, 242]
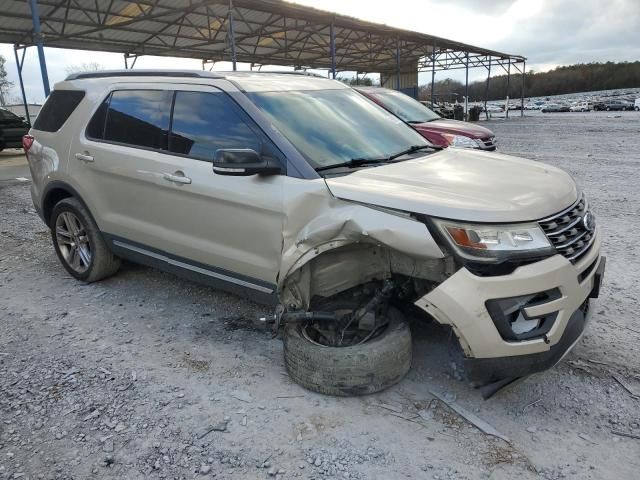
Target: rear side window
[138, 117]
[95, 129]
[204, 122]
[57, 109]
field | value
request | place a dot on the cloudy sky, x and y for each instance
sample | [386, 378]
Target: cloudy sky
[547, 32]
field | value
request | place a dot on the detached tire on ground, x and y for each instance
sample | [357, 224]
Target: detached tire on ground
[355, 370]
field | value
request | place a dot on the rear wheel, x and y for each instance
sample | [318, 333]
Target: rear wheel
[79, 244]
[361, 367]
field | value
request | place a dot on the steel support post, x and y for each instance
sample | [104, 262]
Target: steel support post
[486, 90]
[433, 75]
[506, 107]
[466, 87]
[19, 64]
[232, 38]
[37, 34]
[332, 40]
[524, 73]
[398, 64]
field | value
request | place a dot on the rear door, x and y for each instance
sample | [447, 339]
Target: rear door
[115, 161]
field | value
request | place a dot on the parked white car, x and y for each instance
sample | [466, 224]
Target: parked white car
[581, 107]
[636, 105]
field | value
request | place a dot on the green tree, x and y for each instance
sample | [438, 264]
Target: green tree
[362, 81]
[561, 80]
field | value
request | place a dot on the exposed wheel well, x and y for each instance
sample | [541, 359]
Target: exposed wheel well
[51, 199]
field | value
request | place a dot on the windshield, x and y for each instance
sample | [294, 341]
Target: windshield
[335, 126]
[405, 107]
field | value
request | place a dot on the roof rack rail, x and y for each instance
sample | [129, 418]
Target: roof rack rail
[273, 72]
[144, 73]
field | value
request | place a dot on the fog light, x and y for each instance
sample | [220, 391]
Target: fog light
[511, 321]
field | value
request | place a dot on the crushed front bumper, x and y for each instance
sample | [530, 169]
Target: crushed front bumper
[483, 371]
[461, 302]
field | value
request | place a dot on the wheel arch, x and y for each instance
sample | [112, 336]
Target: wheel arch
[53, 193]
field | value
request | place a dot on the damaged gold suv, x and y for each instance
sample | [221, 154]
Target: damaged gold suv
[299, 191]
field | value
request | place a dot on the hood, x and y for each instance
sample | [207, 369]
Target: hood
[462, 184]
[455, 127]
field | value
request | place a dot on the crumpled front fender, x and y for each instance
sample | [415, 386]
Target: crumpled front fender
[364, 241]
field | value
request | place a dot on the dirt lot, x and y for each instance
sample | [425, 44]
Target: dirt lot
[149, 376]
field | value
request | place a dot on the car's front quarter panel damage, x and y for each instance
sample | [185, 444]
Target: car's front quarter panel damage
[331, 245]
[472, 322]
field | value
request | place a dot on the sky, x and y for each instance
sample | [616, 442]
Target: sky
[548, 32]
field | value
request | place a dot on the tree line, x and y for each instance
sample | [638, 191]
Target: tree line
[584, 77]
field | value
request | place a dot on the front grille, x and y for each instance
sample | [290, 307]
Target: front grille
[568, 232]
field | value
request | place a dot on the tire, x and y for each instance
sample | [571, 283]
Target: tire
[93, 260]
[637, 109]
[355, 370]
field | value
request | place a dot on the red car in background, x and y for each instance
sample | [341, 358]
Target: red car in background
[438, 130]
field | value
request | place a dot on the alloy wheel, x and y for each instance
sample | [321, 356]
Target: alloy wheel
[73, 242]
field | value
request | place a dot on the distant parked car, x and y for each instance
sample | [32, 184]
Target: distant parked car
[615, 105]
[636, 105]
[12, 129]
[581, 107]
[494, 108]
[439, 131]
[555, 107]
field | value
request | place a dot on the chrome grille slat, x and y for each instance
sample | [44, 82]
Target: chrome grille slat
[572, 241]
[567, 232]
[577, 255]
[558, 232]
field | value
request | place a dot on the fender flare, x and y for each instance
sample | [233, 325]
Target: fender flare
[49, 190]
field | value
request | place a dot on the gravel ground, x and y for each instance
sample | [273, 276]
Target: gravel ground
[145, 375]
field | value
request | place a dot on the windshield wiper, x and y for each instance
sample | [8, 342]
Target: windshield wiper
[358, 162]
[353, 163]
[411, 149]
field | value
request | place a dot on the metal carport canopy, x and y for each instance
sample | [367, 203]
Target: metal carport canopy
[260, 31]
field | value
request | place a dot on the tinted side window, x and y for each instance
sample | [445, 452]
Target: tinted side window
[95, 129]
[204, 122]
[139, 117]
[57, 109]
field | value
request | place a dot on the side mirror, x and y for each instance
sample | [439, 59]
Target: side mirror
[243, 162]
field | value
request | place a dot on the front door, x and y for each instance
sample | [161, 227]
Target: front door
[231, 223]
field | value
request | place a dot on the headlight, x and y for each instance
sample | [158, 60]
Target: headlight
[462, 141]
[493, 243]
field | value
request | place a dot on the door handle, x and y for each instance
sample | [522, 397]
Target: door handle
[178, 177]
[84, 157]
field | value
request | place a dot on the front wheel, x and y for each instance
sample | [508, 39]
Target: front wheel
[358, 369]
[79, 244]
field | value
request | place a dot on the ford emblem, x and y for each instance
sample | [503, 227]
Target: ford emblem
[589, 221]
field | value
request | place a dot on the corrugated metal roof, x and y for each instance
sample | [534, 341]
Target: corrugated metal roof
[266, 32]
